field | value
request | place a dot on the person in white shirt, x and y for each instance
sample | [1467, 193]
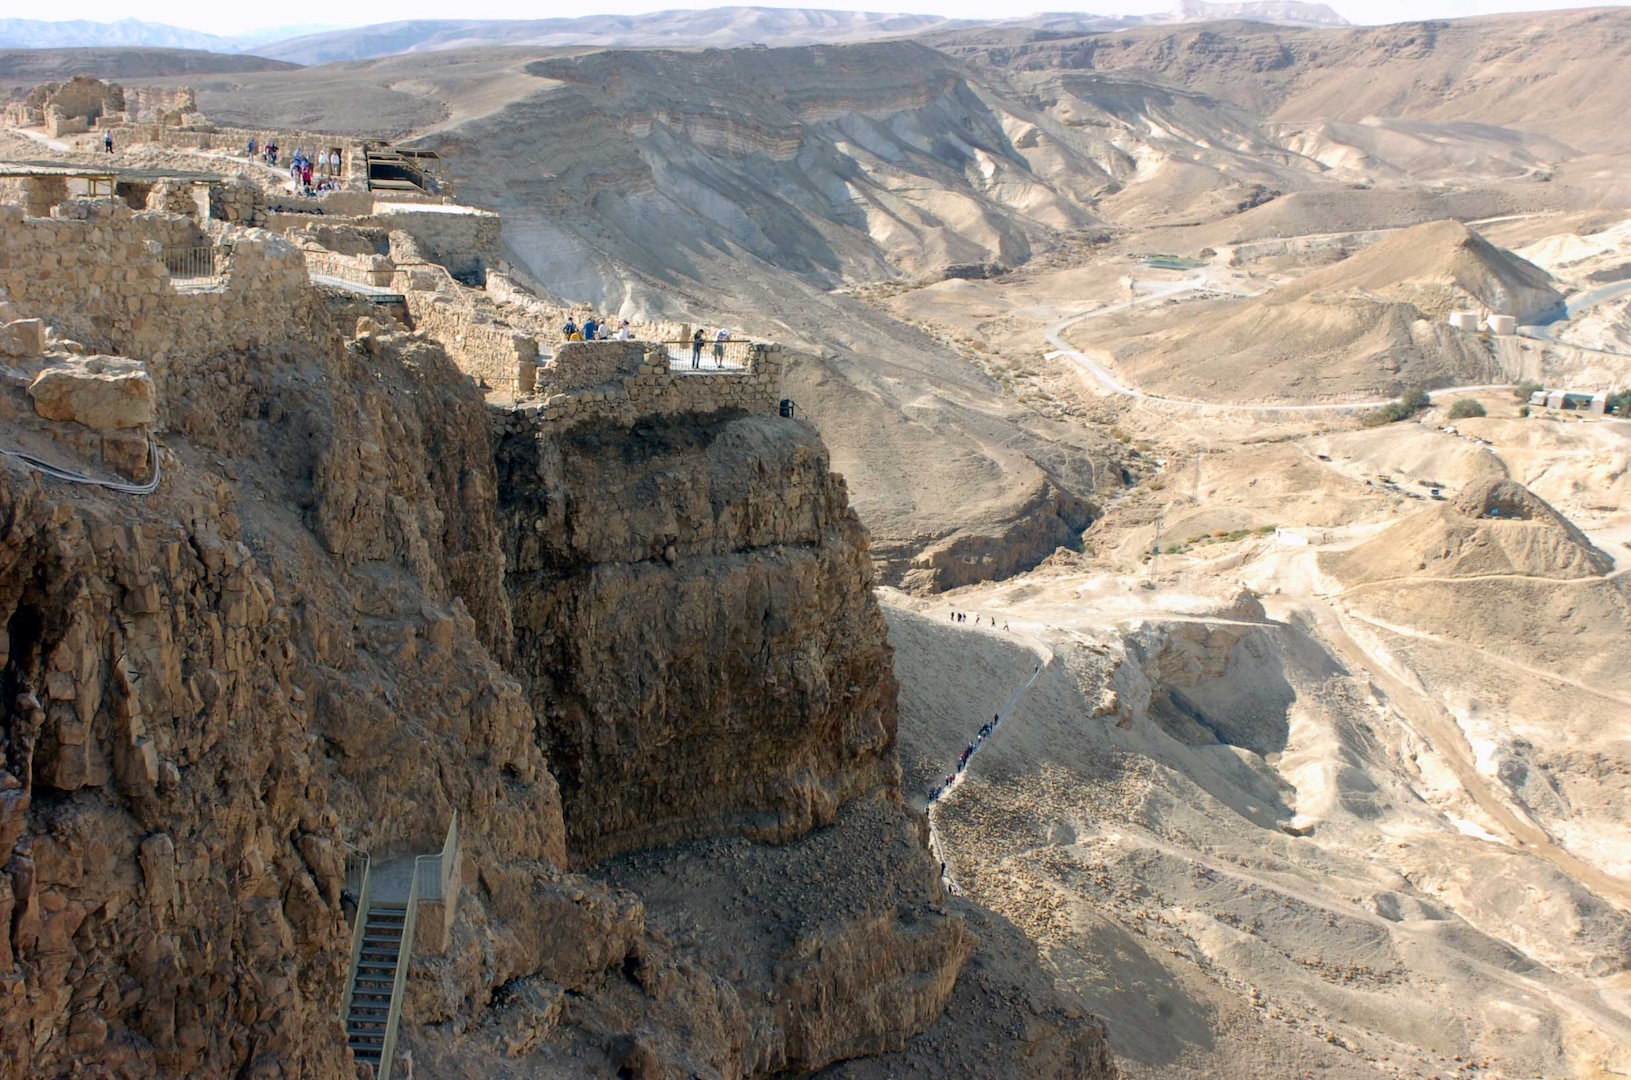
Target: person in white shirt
[623, 332]
[720, 338]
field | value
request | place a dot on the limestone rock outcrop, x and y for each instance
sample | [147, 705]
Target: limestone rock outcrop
[694, 621]
[101, 392]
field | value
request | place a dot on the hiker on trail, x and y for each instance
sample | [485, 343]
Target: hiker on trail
[996, 718]
[589, 328]
[107, 141]
[251, 146]
[696, 349]
[948, 779]
[1005, 624]
[569, 329]
[720, 338]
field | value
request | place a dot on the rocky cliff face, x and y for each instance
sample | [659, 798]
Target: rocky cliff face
[341, 618]
[210, 691]
[695, 626]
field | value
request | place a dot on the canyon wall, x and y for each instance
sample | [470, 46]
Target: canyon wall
[692, 601]
[360, 601]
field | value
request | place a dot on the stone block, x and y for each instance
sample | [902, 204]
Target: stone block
[101, 392]
[24, 337]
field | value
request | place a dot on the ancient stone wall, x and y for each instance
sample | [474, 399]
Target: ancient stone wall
[461, 238]
[501, 357]
[35, 194]
[652, 389]
[96, 271]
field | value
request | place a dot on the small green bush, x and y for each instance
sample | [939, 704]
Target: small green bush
[1523, 410]
[1525, 391]
[1620, 404]
[1411, 402]
[1466, 407]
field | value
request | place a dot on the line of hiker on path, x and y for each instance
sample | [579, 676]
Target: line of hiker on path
[962, 616]
[985, 732]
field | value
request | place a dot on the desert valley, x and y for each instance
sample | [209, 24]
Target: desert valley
[1091, 548]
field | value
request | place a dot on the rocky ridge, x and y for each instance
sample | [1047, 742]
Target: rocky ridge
[358, 601]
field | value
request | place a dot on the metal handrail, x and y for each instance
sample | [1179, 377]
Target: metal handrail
[433, 883]
[364, 892]
[207, 263]
[393, 1017]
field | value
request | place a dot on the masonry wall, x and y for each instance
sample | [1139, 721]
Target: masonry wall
[95, 272]
[463, 239]
[502, 357]
[651, 388]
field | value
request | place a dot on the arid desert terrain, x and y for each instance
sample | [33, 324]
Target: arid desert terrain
[1312, 740]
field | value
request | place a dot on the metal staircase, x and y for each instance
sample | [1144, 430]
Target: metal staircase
[382, 940]
[372, 1007]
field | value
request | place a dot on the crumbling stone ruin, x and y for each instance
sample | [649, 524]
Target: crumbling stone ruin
[284, 594]
[68, 107]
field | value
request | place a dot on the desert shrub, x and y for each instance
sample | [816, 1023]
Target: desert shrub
[1411, 402]
[1620, 404]
[1525, 391]
[1523, 410]
[1467, 407]
[1414, 400]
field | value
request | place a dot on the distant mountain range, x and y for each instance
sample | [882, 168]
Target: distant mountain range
[722, 27]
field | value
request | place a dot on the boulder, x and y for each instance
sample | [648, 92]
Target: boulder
[101, 392]
[24, 337]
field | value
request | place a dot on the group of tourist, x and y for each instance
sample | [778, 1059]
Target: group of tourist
[961, 616]
[595, 329]
[699, 338]
[985, 732]
[306, 175]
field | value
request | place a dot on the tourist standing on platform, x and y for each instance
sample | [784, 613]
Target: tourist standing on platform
[696, 349]
[720, 338]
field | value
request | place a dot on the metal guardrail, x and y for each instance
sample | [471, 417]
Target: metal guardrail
[433, 872]
[196, 266]
[399, 985]
[737, 351]
[359, 884]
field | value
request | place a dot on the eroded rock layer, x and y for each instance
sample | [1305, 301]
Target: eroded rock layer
[694, 620]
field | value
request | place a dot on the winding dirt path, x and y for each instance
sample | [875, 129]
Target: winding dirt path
[1046, 657]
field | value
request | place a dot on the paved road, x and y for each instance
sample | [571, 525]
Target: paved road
[1198, 283]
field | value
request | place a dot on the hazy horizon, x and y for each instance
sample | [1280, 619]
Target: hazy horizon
[227, 21]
